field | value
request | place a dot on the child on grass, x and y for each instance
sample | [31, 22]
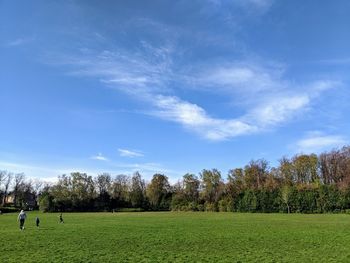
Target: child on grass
[61, 218]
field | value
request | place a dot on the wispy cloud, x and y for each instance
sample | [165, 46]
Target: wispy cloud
[261, 5]
[140, 71]
[99, 157]
[241, 78]
[50, 173]
[277, 110]
[19, 41]
[268, 99]
[259, 90]
[130, 153]
[249, 5]
[195, 118]
[335, 61]
[315, 142]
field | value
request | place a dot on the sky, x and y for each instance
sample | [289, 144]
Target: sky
[170, 87]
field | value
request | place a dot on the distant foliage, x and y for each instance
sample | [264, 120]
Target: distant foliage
[301, 184]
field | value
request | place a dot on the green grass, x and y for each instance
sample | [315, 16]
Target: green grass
[176, 237]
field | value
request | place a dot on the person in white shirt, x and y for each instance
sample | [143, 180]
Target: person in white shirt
[21, 218]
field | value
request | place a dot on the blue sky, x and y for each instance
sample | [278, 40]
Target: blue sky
[170, 86]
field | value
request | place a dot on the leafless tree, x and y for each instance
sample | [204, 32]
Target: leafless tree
[18, 183]
[6, 182]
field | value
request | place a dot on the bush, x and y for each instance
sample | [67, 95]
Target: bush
[200, 207]
[210, 207]
[9, 209]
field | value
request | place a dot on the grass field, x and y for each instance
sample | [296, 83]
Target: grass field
[176, 237]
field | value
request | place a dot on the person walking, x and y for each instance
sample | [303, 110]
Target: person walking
[61, 218]
[22, 218]
[37, 221]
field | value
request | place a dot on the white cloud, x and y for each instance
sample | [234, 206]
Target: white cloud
[246, 82]
[322, 85]
[316, 142]
[130, 72]
[195, 118]
[266, 98]
[269, 98]
[239, 78]
[99, 157]
[279, 109]
[130, 153]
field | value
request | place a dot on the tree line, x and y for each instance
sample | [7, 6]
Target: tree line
[306, 183]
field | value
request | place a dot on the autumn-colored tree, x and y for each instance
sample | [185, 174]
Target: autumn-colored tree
[255, 173]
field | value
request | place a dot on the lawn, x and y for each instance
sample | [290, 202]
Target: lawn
[176, 237]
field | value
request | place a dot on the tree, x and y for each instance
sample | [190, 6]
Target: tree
[83, 191]
[306, 167]
[335, 167]
[2, 177]
[6, 181]
[179, 200]
[287, 171]
[285, 194]
[157, 192]
[191, 185]
[61, 194]
[120, 191]
[272, 181]
[235, 182]
[212, 185]
[103, 182]
[255, 174]
[103, 185]
[18, 187]
[137, 191]
[46, 199]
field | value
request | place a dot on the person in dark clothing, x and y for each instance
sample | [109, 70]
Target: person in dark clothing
[37, 221]
[61, 218]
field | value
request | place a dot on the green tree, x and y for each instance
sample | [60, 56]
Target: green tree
[158, 192]
[119, 190]
[103, 185]
[286, 169]
[137, 191]
[82, 191]
[212, 185]
[306, 168]
[191, 185]
[285, 195]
